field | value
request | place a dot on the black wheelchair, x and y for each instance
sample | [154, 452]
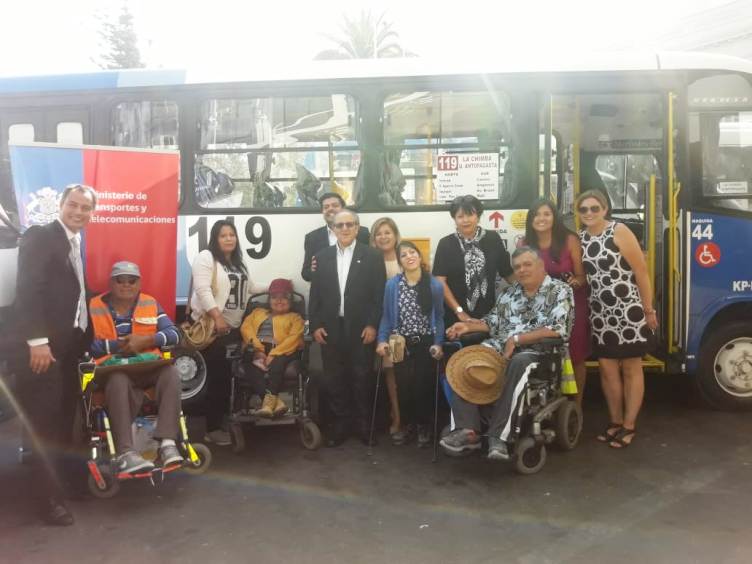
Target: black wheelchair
[244, 402]
[546, 415]
[104, 479]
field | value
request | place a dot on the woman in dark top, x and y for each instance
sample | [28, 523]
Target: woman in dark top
[467, 262]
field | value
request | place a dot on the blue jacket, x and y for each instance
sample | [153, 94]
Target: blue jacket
[390, 315]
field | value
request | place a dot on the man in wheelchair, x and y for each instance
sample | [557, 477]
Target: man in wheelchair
[534, 308]
[128, 322]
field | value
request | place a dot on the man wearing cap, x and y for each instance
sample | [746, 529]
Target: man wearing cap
[128, 322]
[487, 387]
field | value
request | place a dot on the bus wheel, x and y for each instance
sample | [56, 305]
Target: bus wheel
[724, 377]
[192, 372]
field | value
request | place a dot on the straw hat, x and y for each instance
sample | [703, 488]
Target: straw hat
[476, 374]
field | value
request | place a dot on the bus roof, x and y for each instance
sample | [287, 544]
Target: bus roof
[382, 68]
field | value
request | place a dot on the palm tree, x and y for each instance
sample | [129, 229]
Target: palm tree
[365, 37]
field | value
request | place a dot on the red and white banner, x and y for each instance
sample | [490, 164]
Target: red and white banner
[136, 214]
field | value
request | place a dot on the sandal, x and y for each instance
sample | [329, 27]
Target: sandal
[607, 436]
[619, 437]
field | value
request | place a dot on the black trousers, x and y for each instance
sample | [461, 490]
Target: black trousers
[218, 379]
[348, 381]
[271, 380]
[415, 383]
[48, 402]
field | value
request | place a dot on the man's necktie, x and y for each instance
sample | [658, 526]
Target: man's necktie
[75, 255]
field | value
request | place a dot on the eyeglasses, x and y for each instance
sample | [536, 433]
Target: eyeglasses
[126, 280]
[591, 209]
[345, 225]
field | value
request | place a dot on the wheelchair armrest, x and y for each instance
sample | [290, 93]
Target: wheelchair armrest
[552, 342]
[475, 338]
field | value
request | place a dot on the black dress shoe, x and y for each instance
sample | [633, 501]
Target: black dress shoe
[56, 513]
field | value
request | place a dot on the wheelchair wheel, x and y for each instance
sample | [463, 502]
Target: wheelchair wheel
[310, 435]
[568, 425]
[238, 438]
[111, 485]
[204, 460]
[530, 457]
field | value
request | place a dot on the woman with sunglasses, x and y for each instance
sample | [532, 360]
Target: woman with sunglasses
[622, 317]
[414, 308]
[385, 236]
[221, 287]
[562, 254]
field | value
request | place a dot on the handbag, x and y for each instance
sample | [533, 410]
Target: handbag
[396, 348]
[200, 333]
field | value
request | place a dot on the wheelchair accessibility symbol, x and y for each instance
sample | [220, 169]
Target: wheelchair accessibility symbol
[707, 255]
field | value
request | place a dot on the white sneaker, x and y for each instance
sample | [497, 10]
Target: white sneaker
[130, 462]
[218, 437]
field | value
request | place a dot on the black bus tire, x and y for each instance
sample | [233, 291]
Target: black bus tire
[191, 369]
[724, 374]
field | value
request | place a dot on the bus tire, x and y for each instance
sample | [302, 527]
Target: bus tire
[191, 369]
[724, 375]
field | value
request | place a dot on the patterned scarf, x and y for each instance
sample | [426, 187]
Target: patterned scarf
[475, 268]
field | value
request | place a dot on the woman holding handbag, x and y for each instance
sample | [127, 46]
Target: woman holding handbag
[221, 288]
[414, 310]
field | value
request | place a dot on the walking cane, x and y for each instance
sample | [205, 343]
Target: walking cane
[436, 413]
[373, 411]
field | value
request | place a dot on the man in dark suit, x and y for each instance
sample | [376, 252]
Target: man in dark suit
[323, 237]
[347, 293]
[51, 316]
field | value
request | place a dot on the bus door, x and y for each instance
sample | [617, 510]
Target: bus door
[613, 143]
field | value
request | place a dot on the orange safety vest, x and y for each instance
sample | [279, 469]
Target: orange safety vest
[144, 321]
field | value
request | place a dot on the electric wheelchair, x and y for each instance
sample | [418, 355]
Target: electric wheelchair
[104, 479]
[244, 402]
[546, 416]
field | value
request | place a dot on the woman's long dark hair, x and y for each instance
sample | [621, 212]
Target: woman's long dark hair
[236, 258]
[559, 231]
[425, 300]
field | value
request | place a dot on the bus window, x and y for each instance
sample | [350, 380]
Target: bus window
[70, 133]
[427, 135]
[145, 124]
[21, 133]
[625, 177]
[724, 141]
[277, 152]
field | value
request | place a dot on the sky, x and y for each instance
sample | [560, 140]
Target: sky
[49, 36]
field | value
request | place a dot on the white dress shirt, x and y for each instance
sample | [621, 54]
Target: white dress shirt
[344, 260]
[332, 236]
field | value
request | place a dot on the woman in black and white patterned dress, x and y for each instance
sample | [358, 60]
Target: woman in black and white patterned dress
[622, 317]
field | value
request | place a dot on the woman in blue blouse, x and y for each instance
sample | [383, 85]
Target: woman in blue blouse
[414, 308]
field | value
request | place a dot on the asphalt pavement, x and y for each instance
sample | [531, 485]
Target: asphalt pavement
[680, 493]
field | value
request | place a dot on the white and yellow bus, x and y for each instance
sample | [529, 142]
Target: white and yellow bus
[667, 135]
